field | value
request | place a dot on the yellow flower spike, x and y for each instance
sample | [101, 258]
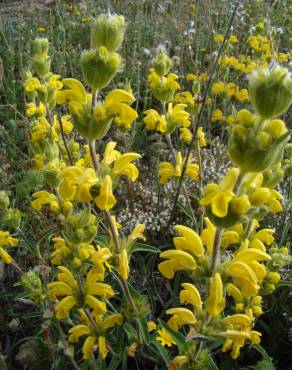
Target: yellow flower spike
[89, 347]
[124, 268]
[234, 292]
[110, 154]
[215, 303]
[78, 331]
[164, 338]
[191, 295]
[105, 201]
[240, 269]
[122, 166]
[251, 254]
[208, 235]
[102, 347]
[76, 92]
[180, 316]
[189, 241]
[63, 308]
[96, 304]
[177, 260]
[137, 233]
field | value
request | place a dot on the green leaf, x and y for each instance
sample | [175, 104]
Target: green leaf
[141, 247]
[130, 331]
[210, 364]
[179, 339]
[265, 355]
[162, 351]
[102, 240]
[115, 362]
[143, 327]
[284, 283]
[2, 362]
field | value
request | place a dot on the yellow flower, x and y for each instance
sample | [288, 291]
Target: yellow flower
[137, 233]
[163, 87]
[229, 119]
[185, 135]
[218, 38]
[242, 95]
[42, 198]
[201, 137]
[177, 115]
[233, 39]
[151, 326]
[76, 183]
[189, 241]
[124, 268]
[191, 77]
[180, 317]
[131, 350]
[177, 362]
[217, 116]
[219, 196]
[6, 240]
[94, 341]
[41, 30]
[191, 295]
[31, 84]
[208, 235]
[164, 338]
[117, 103]
[154, 121]
[177, 260]
[233, 291]
[105, 201]
[218, 88]
[123, 166]
[167, 170]
[215, 303]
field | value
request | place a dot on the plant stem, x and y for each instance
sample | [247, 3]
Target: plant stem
[112, 227]
[216, 249]
[65, 141]
[204, 100]
[66, 346]
[170, 146]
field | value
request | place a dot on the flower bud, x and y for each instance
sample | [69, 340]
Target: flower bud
[33, 285]
[41, 46]
[99, 67]
[270, 91]
[4, 200]
[240, 205]
[162, 63]
[108, 31]
[12, 218]
[41, 65]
